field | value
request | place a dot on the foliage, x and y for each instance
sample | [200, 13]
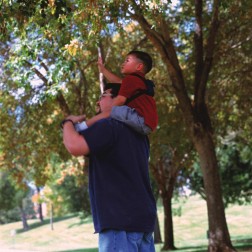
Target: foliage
[66, 189]
[234, 157]
[7, 193]
[229, 92]
[236, 171]
[12, 199]
[75, 196]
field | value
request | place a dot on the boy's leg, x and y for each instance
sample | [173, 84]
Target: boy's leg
[130, 117]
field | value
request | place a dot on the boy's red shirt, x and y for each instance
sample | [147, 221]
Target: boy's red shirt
[145, 105]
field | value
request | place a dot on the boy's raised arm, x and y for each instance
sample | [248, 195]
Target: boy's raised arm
[112, 78]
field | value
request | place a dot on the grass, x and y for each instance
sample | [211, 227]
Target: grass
[74, 234]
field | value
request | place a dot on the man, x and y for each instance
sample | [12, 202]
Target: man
[123, 206]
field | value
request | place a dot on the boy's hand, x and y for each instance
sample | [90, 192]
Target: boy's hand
[100, 65]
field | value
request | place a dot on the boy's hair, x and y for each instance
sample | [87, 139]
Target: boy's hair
[145, 58]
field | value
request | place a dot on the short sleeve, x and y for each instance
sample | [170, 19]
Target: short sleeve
[99, 136]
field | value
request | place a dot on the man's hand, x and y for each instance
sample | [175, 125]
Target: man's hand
[77, 119]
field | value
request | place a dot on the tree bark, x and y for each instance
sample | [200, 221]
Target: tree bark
[168, 223]
[40, 212]
[165, 174]
[23, 217]
[219, 238]
[51, 216]
[157, 234]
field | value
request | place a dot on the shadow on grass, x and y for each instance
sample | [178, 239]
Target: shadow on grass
[46, 222]
[239, 244]
[191, 249]
[80, 250]
[82, 221]
[243, 244]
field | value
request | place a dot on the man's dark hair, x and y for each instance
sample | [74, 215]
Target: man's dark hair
[145, 58]
[115, 87]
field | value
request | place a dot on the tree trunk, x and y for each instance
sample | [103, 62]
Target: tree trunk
[168, 224]
[219, 238]
[51, 216]
[23, 217]
[40, 207]
[157, 233]
[165, 172]
[40, 212]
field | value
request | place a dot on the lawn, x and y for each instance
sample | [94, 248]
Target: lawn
[74, 234]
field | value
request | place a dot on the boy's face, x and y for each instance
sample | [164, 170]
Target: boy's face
[131, 64]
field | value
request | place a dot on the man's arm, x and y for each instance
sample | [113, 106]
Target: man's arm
[108, 75]
[73, 141]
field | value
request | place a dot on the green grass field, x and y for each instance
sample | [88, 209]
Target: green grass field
[74, 234]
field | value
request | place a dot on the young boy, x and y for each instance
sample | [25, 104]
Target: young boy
[140, 112]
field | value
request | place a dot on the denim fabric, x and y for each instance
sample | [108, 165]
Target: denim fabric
[130, 117]
[121, 241]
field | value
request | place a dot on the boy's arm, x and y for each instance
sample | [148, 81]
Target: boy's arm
[98, 117]
[108, 75]
[117, 101]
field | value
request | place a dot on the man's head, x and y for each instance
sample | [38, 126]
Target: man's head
[106, 98]
[114, 87]
[137, 61]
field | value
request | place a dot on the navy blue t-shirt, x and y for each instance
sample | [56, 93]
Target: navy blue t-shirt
[119, 185]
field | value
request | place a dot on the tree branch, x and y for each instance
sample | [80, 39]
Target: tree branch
[203, 66]
[62, 103]
[60, 98]
[83, 85]
[37, 72]
[198, 44]
[210, 45]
